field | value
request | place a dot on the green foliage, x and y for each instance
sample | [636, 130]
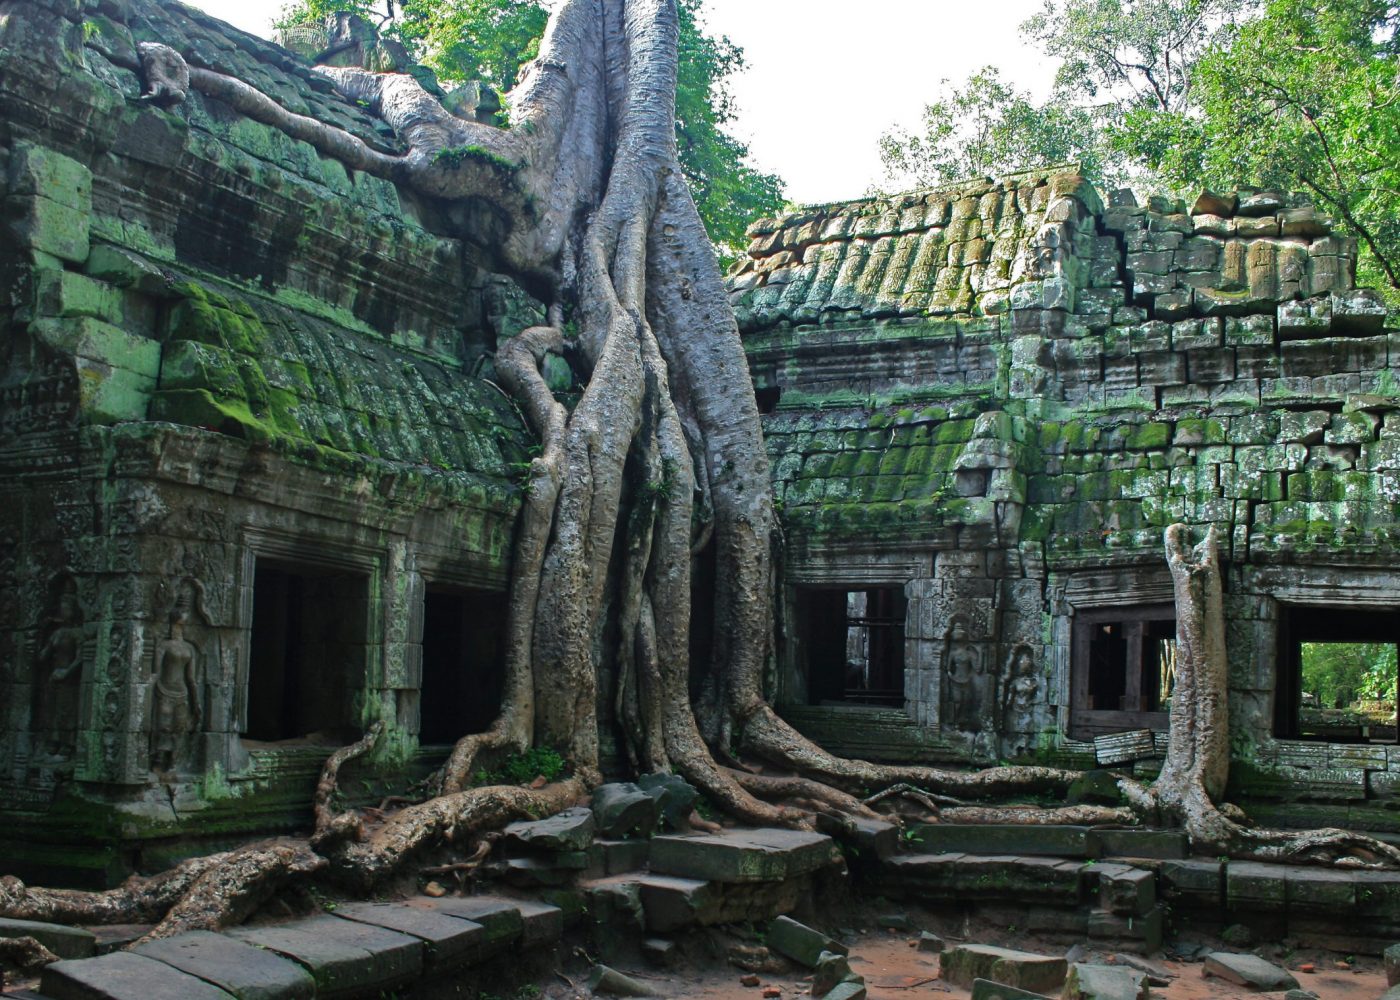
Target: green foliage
[1303, 97]
[521, 769]
[1290, 95]
[1346, 671]
[984, 127]
[728, 192]
[1125, 54]
[491, 40]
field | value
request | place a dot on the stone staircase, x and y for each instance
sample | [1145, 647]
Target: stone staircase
[1126, 890]
[622, 890]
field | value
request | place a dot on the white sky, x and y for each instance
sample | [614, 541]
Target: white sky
[826, 78]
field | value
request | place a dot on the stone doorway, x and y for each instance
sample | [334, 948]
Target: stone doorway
[463, 663]
[307, 654]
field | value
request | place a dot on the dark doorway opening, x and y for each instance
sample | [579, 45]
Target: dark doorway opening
[853, 641]
[309, 650]
[1124, 669]
[463, 663]
[1337, 674]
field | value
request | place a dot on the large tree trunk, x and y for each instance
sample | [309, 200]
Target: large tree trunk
[1197, 768]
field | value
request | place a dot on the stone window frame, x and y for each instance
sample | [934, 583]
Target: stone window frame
[1080, 592]
[833, 569]
[1111, 720]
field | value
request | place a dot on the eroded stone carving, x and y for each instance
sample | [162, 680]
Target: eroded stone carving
[176, 699]
[60, 657]
[966, 686]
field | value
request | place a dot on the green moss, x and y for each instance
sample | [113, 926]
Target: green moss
[454, 157]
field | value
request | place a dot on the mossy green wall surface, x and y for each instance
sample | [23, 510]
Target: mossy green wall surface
[223, 351]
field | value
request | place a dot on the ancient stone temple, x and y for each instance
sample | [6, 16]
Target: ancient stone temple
[259, 486]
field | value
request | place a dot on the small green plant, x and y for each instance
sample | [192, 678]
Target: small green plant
[521, 769]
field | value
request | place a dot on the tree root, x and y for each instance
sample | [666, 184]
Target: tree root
[1041, 815]
[331, 826]
[140, 900]
[227, 893]
[450, 818]
[24, 953]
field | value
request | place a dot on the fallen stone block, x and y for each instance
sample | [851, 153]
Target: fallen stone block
[847, 991]
[1127, 890]
[832, 969]
[344, 957]
[674, 794]
[766, 855]
[801, 943]
[1104, 982]
[248, 973]
[1141, 932]
[449, 940]
[985, 989]
[63, 941]
[660, 952]
[672, 904]
[123, 976]
[1391, 958]
[930, 942]
[1249, 971]
[1022, 969]
[606, 980]
[622, 809]
[874, 837]
[570, 830]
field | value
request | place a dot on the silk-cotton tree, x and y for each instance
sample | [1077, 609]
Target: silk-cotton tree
[660, 457]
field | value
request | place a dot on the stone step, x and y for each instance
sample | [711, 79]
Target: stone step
[124, 976]
[1050, 840]
[449, 941]
[63, 941]
[743, 855]
[345, 957]
[248, 973]
[1051, 881]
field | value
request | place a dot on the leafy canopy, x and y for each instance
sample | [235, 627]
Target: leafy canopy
[490, 40]
[1293, 95]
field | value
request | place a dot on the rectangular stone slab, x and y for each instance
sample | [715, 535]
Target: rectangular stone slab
[248, 973]
[743, 855]
[1022, 969]
[123, 976]
[1002, 838]
[501, 918]
[343, 956]
[450, 940]
[543, 924]
[63, 941]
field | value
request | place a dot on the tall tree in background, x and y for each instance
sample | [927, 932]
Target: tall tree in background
[1305, 97]
[1294, 95]
[490, 40]
[986, 126]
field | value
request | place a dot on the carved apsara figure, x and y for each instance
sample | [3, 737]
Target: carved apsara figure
[55, 719]
[965, 676]
[176, 700]
[1022, 687]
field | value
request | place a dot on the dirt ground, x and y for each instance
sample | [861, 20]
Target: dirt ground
[895, 970]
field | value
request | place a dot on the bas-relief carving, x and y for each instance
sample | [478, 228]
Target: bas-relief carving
[180, 666]
[1020, 690]
[59, 659]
